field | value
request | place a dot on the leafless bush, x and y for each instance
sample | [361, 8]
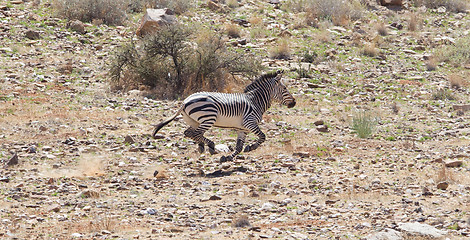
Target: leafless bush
[382, 29]
[451, 5]
[370, 50]
[169, 61]
[456, 81]
[112, 12]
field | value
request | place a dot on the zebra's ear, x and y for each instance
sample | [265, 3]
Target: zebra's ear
[279, 75]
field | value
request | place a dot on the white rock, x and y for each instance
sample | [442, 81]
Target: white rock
[388, 234]
[222, 148]
[76, 235]
[421, 229]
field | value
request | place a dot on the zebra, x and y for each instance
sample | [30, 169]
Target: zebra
[240, 111]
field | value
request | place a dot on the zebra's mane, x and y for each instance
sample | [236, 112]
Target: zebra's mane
[262, 79]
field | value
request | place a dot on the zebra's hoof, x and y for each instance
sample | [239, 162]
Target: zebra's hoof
[201, 148]
[225, 159]
[248, 148]
[211, 151]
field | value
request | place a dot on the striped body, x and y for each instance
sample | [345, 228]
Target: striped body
[240, 111]
[223, 110]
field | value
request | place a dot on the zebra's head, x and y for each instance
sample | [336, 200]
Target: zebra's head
[281, 93]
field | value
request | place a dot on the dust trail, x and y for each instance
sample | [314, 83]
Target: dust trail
[88, 165]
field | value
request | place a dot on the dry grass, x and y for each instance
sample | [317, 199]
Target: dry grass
[232, 30]
[431, 64]
[450, 5]
[256, 21]
[456, 81]
[281, 50]
[413, 22]
[370, 50]
[112, 12]
[395, 108]
[381, 29]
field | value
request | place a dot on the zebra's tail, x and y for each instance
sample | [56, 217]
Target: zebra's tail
[162, 124]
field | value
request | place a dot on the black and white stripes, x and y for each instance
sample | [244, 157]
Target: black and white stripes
[240, 111]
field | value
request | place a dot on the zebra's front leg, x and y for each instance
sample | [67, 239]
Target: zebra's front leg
[261, 139]
[238, 148]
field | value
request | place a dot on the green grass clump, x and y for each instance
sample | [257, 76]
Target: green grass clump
[456, 54]
[363, 124]
[443, 94]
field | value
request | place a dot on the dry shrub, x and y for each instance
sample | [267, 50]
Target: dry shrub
[172, 66]
[281, 50]
[112, 12]
[431, 64]
[241, 221]
[232, 3]
[413, 22]
[381, 29]
[456, 81]
[232, 30]
[178, 6]
[370, 50]
[443, 94]
[450, 5]
[256, 21]
[457, 54]
[395, 107]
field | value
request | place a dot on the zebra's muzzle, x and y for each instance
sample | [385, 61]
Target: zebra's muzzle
[291, 104]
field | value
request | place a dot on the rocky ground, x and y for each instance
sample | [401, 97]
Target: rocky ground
[78, 160]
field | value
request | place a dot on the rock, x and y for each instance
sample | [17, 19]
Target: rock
[323, 128]
[33, 35]
[454, 163]
[77, 26]
[319, 122]
[54, 208]
[213, 5]
[222, 148]
[76, 235]
[128, 140]
[464, 107]
[267, 206]
[443, 185]
[388, 234]
[153, 19]
[151, 211]
[13, 160]
[17, 2]
[391, 3]
[89, 194]
[4, 179]
[420, 229]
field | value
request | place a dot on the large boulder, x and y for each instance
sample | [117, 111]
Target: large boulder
[154, 19]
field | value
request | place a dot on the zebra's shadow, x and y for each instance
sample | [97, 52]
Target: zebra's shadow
[224, 173]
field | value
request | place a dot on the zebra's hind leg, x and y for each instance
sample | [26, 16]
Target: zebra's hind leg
[198, 136]
[261, 139]
[238, 148]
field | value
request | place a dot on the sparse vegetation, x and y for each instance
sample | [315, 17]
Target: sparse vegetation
[363, 124]
[443, 94]
[338, 12]
[370, 50]
[451, 5]
[232, 30]
[281, 50]
[111, 12]
[456, 54]
[167, 61]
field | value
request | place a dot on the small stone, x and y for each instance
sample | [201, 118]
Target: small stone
[33, 35]
[323, 128]
[454, 163]
[76, 235]
[4, 179]
[54, 208]
[214, 197]
[129, 140]
[151, 211]
[222, 148]
[13, 160]
[443, 185]
[89, 194]
[319, 122]
[77, 26]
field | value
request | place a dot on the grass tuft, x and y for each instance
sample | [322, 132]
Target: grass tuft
[363, 124]
[443, 94]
